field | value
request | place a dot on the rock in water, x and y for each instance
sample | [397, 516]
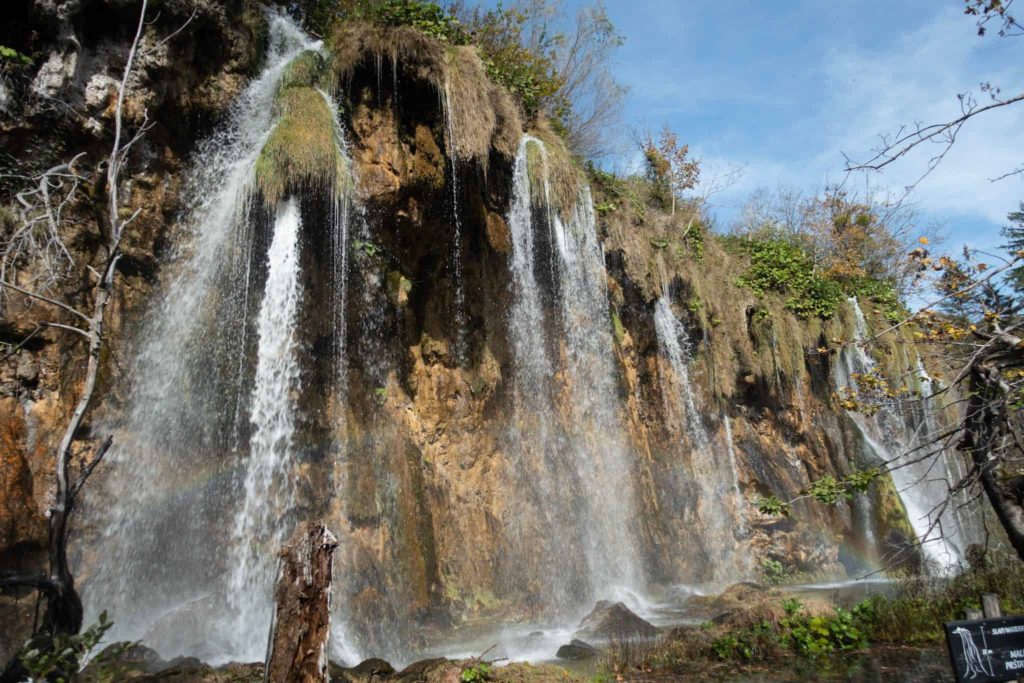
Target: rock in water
[366, 671]
[301, 626]
[614, 620]
[576, 650]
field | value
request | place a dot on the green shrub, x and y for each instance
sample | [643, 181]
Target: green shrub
[477, 673]
[780, 266]
[914, 615]
[773, 571]
[882, 294]
[428, 17]
[818, 635]
[528, 73]
[61, 661]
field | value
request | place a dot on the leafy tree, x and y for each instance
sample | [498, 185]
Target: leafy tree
[669, 166]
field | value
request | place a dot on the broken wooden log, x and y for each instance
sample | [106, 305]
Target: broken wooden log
[299, 632]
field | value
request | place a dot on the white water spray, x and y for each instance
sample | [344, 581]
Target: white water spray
[268, 489]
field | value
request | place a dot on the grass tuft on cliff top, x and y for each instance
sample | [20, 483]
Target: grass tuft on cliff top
[564, 180]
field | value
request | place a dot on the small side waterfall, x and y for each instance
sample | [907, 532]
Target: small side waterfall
[268, 487]
[920, 478]
[456, 265]
[714, 478]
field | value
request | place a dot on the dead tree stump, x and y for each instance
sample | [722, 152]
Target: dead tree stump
[297, 649]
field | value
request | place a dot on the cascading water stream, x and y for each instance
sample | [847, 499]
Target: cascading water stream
[533, 431]
[571, 454]
[460, 291]
[268, 486]
[889, 437]
[598, 440]
[714, 483]
[208, 436]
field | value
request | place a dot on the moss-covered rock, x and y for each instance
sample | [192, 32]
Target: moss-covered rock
[305, 147]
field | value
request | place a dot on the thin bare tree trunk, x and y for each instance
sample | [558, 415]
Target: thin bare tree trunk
[297, 651]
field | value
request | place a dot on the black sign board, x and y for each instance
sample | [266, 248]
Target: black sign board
[987, 649]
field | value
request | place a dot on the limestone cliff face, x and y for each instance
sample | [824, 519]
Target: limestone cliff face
[61, 106]
[412, 466]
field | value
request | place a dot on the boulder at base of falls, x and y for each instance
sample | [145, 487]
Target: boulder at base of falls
[363, 672]
[610, 620]
[576, 650]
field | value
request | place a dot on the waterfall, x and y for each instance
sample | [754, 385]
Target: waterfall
[533, 434]
[674, 342]
[268, 487]
[569, 438]
[714, 483]
[205, 470]
[460, 293]
[731, 446]
[599, 439]
[888, 436]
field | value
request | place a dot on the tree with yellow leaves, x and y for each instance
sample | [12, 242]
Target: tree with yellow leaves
[669, 166]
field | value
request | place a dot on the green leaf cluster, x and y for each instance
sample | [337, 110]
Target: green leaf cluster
[780, 266]
[428, 17]
[61, 659]
[772, 505]
[829, 490]
[9, 55]
[818, 635]
[477, 673]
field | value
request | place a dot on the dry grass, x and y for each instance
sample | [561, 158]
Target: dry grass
[353, 42]
[564, 179]
[468, 101]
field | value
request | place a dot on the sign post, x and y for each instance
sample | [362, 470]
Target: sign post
[986, 650]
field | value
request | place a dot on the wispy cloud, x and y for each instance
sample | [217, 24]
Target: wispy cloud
[788, 108]
[916, 81]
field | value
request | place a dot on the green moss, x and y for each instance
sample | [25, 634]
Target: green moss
[890, 516]
[303, 148]
[305, 70]
[620, 331]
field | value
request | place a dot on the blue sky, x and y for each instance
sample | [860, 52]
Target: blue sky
[784, 88]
